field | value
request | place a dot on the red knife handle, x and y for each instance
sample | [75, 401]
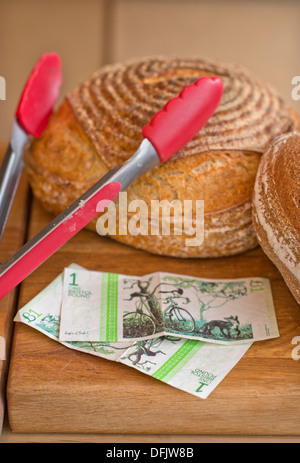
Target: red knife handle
[182, 117]
[58, 236]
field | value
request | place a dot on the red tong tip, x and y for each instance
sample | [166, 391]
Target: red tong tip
[40, 94]
[182, 117]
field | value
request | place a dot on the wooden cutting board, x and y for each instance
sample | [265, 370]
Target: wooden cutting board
[55, 389]
[12, 239]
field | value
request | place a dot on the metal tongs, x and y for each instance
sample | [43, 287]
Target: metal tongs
[168, 131]
[35, 107]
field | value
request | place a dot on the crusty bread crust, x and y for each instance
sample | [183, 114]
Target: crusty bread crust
[276, 207]
[98, 126]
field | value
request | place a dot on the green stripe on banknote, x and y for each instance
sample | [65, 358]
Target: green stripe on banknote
[273, 332]
[112, 308]
[176, 362]
[103, 302]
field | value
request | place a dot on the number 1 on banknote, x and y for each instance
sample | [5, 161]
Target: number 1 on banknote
[31, 315]
[73, 275]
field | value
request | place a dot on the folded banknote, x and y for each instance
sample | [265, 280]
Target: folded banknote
[98, 306]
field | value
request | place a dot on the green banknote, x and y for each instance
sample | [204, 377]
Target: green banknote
[108, 307]
[43, 314]
[190, 365]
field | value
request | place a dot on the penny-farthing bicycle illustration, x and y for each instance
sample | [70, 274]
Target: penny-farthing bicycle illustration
[177, 318]
[148, 318]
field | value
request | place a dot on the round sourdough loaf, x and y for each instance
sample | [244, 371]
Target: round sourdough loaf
[276, 207]
[98, 126]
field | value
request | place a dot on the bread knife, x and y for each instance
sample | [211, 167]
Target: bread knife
[34, 109]
[169, 130]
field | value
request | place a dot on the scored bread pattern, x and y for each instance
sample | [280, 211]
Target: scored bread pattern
[117, 101]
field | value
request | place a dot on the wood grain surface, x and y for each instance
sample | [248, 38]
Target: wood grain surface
[54, 389]
[13, 238]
